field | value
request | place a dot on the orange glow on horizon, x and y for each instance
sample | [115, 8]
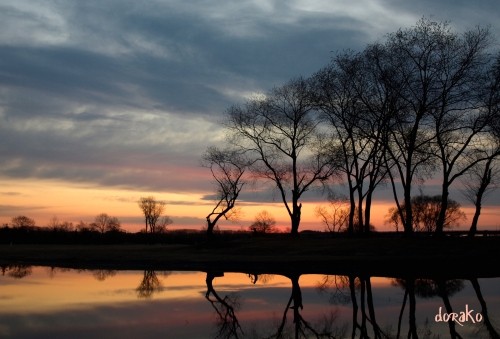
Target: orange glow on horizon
[43, 200]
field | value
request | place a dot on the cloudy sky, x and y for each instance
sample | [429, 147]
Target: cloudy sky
[102, 102]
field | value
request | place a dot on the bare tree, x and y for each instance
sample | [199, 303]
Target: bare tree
[341, 91]
[161, 224]
[153, 210]
[461, 119]
[483, 176]
[413, 62]
[425, 210]
[264, 223]
[22, 221]
[335, 216]
[228, 167]
[104, 223]
[280, 131]
[63, 226]
[478, 183]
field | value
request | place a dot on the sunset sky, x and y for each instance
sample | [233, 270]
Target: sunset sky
[103, 102]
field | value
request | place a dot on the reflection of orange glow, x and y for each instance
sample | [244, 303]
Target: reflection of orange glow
[74, 289]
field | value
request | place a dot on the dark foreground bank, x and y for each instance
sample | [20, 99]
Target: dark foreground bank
[459, 257]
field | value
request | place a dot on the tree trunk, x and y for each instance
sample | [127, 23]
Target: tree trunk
[211, 226]
[368, 207]
[485, 181]
[360, 209]
[352, 209]
[295, 218]
[444, 206]
[408, 220]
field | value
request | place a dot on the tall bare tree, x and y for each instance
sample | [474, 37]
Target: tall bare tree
[228, 167]
[435, 73]
[483, 177]
[461, 118]
[280, 131]
[341, 91]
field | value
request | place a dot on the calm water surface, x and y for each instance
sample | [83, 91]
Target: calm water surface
[41, 302]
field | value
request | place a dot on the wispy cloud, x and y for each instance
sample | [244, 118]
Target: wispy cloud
[118, 93]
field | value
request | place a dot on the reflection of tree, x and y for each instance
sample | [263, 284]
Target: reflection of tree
[17, 271]
[484, 310]
[302, 328]
[228, 325]
[344, 291]
[102, 275]
[150, 284]
[427, 288]
[263, 278]
[53, 270]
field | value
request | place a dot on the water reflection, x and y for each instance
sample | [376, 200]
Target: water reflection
[225, 308]
[16, 271]
[102, 275]
[150, 284]
[250, 305]
[301, 327]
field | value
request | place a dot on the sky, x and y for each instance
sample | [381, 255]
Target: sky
[103, 102]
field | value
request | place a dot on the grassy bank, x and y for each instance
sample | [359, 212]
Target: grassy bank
[375, 256]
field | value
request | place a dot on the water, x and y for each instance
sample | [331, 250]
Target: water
[41, 302]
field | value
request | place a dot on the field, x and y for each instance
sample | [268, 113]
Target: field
[457, 257]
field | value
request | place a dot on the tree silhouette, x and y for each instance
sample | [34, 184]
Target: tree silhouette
[22, 221]
[104, 223]
[280, 132]
[153, 210]
[432, 78]
[264, 223]
[336, 215]
[482, 176]
[228, 167]
[426, 210]
[357, 129]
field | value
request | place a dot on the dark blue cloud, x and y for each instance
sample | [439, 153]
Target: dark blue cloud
[102, 92]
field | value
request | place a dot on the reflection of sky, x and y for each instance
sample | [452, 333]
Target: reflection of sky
[78, 305]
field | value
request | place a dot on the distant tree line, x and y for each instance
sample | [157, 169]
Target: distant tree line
[422, 104]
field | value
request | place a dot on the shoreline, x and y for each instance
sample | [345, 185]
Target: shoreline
[446, 257]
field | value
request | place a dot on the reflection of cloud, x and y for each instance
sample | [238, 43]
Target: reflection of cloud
[10, 193]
